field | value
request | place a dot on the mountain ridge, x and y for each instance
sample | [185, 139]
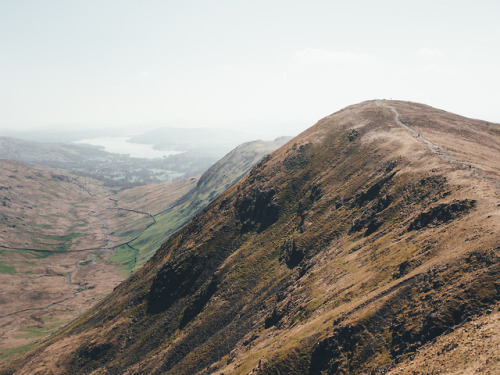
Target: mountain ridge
[344, 251]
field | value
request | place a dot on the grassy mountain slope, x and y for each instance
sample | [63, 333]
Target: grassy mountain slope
[222, 175]
[359, 242]
[471, 348]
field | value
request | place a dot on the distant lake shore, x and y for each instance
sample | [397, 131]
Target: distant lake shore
[121, 145]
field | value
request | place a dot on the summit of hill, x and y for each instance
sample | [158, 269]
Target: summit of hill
[360, 246]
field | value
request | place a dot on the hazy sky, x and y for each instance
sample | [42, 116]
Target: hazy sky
[241, 63]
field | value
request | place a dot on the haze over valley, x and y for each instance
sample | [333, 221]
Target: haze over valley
[160, 155]
[249, 188]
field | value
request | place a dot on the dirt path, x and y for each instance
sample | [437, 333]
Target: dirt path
[440, 152]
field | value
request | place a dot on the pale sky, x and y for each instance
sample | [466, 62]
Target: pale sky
[123, 63]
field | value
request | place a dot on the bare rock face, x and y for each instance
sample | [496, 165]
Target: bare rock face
[173, 281]
[369, 237]
[441, 214]
[257, 210]
[292, 254]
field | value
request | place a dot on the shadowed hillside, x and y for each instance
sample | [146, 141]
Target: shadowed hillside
[349, 249]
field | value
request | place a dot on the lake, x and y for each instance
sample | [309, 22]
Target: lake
[120, 145]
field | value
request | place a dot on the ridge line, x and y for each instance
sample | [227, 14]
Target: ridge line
[439, 151]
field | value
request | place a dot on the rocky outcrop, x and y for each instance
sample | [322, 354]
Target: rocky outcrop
[257, 210]
[441, 214]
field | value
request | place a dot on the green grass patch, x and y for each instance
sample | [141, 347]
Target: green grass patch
[10, 352]
[6, 268]
[125, 257]
[50, 324]
[66, 241]
[54, 242]
[50, 319]
[167, 223]
[34, 332]
[37, 254]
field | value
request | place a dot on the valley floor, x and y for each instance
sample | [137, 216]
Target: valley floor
[64, 245]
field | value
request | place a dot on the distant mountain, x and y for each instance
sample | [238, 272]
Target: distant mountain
[233, 167]
[114, 170]
[52, 135]
[213, 142]
[357, 247]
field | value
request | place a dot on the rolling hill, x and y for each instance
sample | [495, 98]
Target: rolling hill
[360, 246]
